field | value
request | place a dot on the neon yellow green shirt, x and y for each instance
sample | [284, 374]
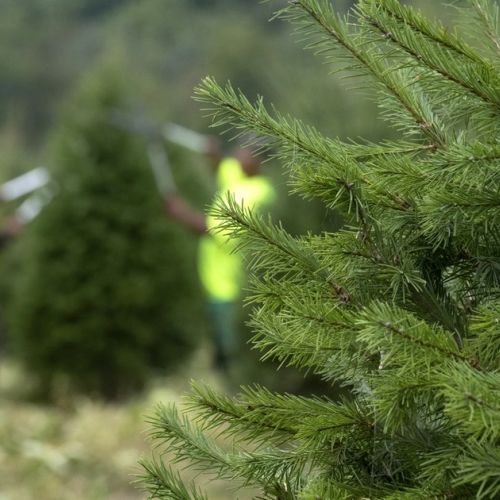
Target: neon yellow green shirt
[221, 272]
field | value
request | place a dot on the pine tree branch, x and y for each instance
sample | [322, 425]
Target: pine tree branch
[320, 166]
[400, 324]
[248, 228]
[298, 144]
[480, 466]
[485, 326]
[446, 216]
[188, 442]
[334, 29]
[421, 343]
[477, 80]
[265, 417]
[310, 303]
[471, 400]
[276, 339]
[214, 409]
[485, 17]
[362, 153]
[164, 484]
[433, 31]
[264, 469]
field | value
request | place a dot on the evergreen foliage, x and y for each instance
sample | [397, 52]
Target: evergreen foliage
[401, 306]
[107, 286]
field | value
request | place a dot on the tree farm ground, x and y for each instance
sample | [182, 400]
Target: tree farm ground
[82, 449]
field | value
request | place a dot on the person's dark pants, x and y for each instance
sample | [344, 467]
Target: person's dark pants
[224, 335]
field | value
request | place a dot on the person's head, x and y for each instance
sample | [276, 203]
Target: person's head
[249, 162]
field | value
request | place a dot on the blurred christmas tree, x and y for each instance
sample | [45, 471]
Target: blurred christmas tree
[401, 306]
[108, 288]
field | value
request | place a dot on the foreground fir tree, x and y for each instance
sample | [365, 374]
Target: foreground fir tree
[402, 306]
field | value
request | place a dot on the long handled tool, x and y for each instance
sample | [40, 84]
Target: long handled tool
[36, 181]
[155, 135]
[158, 158]
[24, 184]
[34, 204]
[186, 137]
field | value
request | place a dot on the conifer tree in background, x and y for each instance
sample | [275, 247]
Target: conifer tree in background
[402, 305]
[107, 286]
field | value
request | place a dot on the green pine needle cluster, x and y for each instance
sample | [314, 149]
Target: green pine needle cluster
[402, 306]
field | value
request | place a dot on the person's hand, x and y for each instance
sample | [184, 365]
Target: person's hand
[175, 205]
[12, 226]
[179, 209]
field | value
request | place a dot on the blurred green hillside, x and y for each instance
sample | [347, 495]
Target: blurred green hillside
[164, 48]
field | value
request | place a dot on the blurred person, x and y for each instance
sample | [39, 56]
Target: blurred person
[220, 269]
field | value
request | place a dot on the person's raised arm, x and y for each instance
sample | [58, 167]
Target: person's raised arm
[180, 210]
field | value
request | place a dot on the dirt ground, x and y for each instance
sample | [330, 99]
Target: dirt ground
[83, 449]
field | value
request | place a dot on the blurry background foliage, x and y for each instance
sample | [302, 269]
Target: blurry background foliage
[106, 289]
[159, 49]
[164, 48]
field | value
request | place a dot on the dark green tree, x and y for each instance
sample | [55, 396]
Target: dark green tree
[401, 306]
[107, 286]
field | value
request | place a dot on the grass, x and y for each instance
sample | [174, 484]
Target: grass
[82, 449]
